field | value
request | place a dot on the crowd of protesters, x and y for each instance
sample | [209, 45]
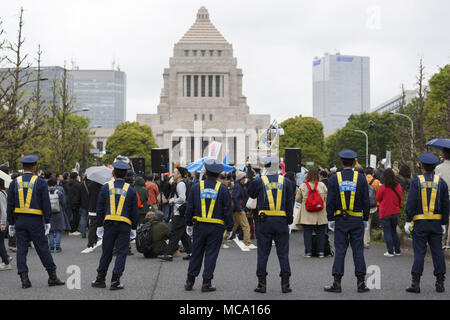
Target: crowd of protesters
[162, 202]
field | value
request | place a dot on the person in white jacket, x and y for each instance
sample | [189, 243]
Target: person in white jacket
[3, 254]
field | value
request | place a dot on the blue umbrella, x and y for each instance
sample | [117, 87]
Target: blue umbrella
[439, 143]
[199, 164]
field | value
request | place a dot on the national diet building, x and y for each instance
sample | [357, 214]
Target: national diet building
[202, 100]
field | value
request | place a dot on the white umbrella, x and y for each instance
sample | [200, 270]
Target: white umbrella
[99, 174]
[6, 178]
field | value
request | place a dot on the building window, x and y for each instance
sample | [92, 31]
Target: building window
[210, 86]
[203, 117]
[100, 146]
[211, 53]
[219, 53]
[203, 85]
[194, 53]
[210, 117]
[188, 86]
[186, 53]
[195, 86]
[217, 86]
[195, 117]
[203, 53]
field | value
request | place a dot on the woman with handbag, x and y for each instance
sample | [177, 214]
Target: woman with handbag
[389, 196]
[313, 218]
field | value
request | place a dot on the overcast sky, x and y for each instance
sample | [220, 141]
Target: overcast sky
[274, 42]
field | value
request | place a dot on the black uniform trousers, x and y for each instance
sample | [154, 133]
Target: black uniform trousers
[177, 233]
[30, 227]
[350, 231]
[276, 229]
[116, 235]
[207, 240]
[428, 232]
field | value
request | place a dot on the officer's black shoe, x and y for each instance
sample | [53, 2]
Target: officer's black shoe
[440, 282]
[361, 283]
[207, 286]
[187, 257]
[336, 286]
[415, 284]
[53, 279]
[165, 257]
[261, 284]
[26, 283]
[115, 283]
[285, 284]
[189, 283]
[100, 281]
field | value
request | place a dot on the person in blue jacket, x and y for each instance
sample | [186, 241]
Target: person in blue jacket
[208, 213]
[348, 213]
[117, 218]
[427, 211]
[275, 207]
[29, 213]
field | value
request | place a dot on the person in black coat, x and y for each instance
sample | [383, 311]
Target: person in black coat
[94, 189]
[74, 198]
[84, 206]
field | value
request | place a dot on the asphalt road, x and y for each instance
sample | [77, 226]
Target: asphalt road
[235, 279]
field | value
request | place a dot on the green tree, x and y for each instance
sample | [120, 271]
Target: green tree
[130, 139]
[305, 133]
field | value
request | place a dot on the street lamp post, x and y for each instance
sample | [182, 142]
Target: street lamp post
[412, 130]
[367, 146]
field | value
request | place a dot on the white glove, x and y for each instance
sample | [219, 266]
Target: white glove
[132, 234]
[12, 231]
[100, 232]
[47, 228]
[189, 230]
[366, 225]
[443, 229]
[407, 226]
[331, 225]
[229, 235]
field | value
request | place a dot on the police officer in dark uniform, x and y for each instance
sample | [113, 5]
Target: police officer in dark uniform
[275, 213]
[427, 211]
[29, 215]
[348, 213]
[208, 213]
[117, 217]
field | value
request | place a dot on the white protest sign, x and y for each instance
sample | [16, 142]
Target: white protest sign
[388, 160]
[373, 161]
[214, 149]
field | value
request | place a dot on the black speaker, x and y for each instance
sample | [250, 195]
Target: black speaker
[293, 159]
[138, 165]
[160, 160]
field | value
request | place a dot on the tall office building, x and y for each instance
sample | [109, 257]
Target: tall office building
[341, 87]
[103, 92]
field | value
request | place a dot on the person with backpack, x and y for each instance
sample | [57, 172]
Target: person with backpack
[390, 198]
[152, 235]
[57, 221]
[312, 195]
[178, 223]
[374, 184]
[142, 195]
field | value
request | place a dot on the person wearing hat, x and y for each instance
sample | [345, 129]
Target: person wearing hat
[427, 210]
[275, 207]
[117, 218]
[348, 212]
[443, 171]
[208, 213]
[239, 215]
[29, 213]
[178, 223]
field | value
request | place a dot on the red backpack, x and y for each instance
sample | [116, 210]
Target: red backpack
[314, 201]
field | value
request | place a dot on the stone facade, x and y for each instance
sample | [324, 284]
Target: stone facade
[202, 100]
